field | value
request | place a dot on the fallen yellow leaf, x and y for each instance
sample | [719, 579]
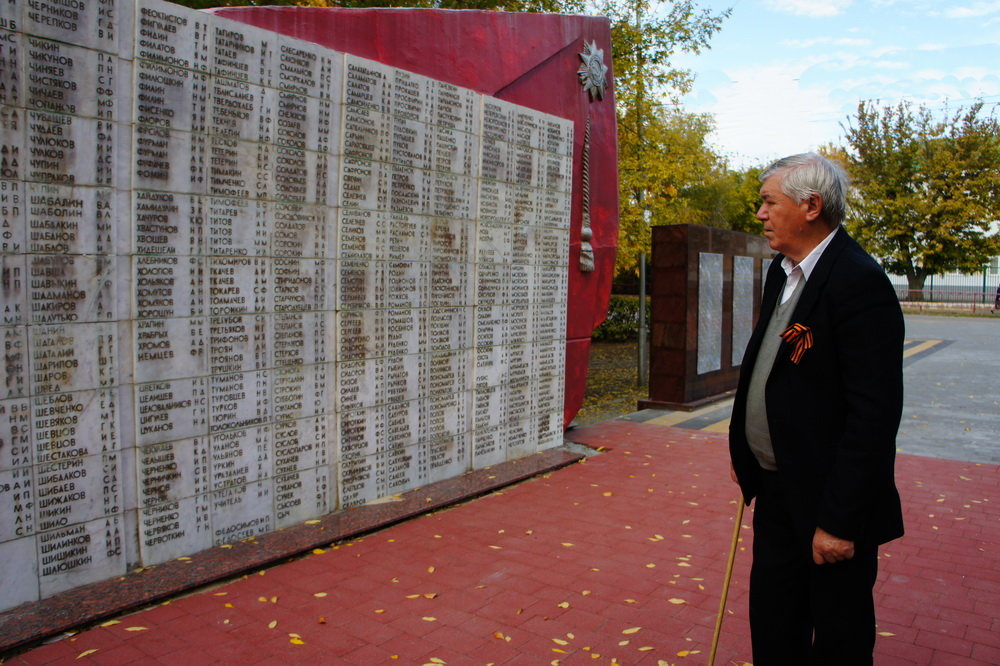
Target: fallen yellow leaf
[111, 623]
[564, 604]
[685, 653]
[296, 641]
[559, 641]
[85, 653]
[312, 522]
[321, 620]
[136, 628]
[318, 551]
[646, 649]
[320, 594]
[886, 633]
[429, 619]
[274, 600]
[631, 630]
[430, 569]
[272, 624]
[430, 595]
[567, 544]
[676, 601]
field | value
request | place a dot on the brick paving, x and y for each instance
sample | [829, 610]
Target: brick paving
[617, 559]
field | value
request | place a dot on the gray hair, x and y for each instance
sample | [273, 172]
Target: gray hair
[811, 173]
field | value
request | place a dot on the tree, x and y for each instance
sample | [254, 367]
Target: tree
[660, 149]
[925, 190]
[659, 177]
[728, 199]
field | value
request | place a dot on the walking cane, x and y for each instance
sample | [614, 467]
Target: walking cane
[725, 584]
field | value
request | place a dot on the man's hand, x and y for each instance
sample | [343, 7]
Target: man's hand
[828, 549]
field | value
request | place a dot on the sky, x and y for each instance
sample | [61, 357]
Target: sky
[783, 76]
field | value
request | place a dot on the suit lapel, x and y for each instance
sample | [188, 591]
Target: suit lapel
[814, 285]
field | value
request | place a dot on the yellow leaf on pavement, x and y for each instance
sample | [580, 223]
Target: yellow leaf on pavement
[85, 653]
[632, 630]
[136, 628]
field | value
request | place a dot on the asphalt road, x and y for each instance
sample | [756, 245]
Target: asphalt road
[951, 404]
[951, 407]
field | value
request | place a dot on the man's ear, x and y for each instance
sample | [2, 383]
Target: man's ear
[814, 207]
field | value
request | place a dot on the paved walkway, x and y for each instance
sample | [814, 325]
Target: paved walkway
[618, 559]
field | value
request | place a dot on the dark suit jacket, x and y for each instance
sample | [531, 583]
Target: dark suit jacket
[833, 416]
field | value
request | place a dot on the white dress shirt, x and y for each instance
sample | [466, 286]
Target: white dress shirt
[804, 268]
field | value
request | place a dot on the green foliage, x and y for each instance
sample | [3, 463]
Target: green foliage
[662, 151]
[727, 199]
[926, 190]
[657, 173]
[622, 323]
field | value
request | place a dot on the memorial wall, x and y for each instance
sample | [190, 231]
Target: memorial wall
[248, 281]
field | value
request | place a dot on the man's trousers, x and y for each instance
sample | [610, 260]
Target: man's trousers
[800, 612]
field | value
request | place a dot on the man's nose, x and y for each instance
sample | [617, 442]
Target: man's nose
[761, 215]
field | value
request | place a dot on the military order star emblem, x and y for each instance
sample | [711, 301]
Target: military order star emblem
[593, 74]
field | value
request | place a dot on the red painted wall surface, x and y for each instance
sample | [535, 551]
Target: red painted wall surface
[527, 59]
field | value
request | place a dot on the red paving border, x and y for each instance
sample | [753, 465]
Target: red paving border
[616, 559]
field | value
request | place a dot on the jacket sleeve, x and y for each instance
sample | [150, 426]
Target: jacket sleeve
[868, 330]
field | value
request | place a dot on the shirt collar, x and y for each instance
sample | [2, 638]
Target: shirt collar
[809, 263]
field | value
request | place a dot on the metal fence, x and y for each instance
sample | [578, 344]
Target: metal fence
[980, 288]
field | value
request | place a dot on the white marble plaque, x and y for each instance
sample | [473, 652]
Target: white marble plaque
[742, 306]
[248, 281]
[709, 312]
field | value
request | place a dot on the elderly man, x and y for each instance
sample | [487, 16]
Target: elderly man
[814, 423]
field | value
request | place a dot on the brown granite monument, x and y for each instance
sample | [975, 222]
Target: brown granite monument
[706, 291]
